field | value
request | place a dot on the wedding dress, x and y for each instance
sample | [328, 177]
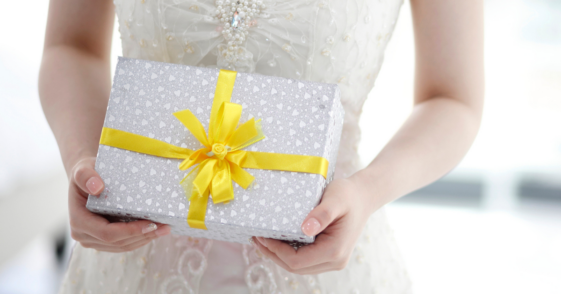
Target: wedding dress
[334, 41]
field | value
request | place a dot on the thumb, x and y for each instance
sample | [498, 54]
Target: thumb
[324, 214]
[86, 178]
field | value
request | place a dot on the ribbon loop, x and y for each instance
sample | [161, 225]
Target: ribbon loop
[223, 92]
[190, 121]
[228, 117]
[195, 158]
[247, 134]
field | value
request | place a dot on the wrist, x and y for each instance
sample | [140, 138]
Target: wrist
[368, 184]
[77, 154]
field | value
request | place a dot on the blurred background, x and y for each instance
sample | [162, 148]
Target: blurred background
[492, 225]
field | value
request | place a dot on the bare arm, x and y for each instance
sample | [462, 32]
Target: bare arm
[449, 89]
[434, 138]
[74, 86]
[74, 81]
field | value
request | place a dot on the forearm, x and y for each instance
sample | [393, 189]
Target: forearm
[431, 142]
[74, 87]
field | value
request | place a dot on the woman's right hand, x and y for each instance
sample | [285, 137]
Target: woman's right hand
[94, 231]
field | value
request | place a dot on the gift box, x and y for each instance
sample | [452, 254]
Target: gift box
[216, 154]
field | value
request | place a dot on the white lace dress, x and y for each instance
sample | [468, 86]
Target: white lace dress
[335, 41]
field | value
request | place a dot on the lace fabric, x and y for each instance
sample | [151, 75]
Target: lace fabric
[334, 41]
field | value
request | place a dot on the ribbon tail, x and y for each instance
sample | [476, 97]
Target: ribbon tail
[204, 176]
[197, 210]
[197, 202]
[222, 190]
[240, 176]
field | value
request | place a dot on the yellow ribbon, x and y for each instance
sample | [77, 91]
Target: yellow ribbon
[221, 159]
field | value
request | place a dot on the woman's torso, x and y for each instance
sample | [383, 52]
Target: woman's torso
[334, 41]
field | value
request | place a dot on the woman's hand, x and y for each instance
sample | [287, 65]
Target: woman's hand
[94, 231]
[340, 217]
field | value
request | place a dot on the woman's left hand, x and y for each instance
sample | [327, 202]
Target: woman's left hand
[340, 217]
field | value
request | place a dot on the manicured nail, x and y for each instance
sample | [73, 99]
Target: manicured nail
[311, 227]
[162, 231]
[149, 228]
[262, 241]
[94, 185]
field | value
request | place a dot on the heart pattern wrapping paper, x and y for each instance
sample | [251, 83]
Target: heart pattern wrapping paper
[298, 117]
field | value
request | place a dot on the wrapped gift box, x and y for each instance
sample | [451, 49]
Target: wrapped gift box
[298, 117]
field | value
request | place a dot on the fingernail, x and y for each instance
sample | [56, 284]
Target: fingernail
[162, 231]
[149, 228]
[262, 241]
[94, 185]
[311, 227]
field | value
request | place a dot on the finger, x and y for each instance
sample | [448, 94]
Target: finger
[81, 219]
[80, 237]
[286, 253]
[329, 210]
[87, 179]
[114, 232]
[325, 249]
[316, 269]
[115, 249]
[271, 255]
[117, 236]
[136, 245]
[85, 221]
[93, 243]
[161, 230]
[123, 243]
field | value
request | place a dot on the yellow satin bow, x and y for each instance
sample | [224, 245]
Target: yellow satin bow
[221, 160]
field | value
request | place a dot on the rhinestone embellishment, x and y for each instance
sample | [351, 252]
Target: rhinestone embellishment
[236, 20]
[237, 17]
